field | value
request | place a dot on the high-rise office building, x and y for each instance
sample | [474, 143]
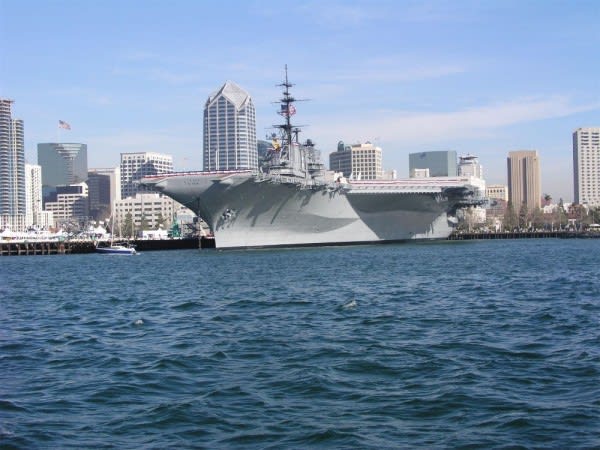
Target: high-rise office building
[104, 189]
[229, 130]
[135, 166]
[12, 161]
[12, 169]
[361, 161]
[62, 164]
[69, 203]
[439, 163]
[33, 194]
[586, 166]
[524, 179]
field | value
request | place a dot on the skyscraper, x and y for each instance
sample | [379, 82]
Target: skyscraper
[524, 179]
[586, 166]
[62, 164]
[229, 130]
[12, 169]
[33, 194]
[135, 166]
[439, 163]
[360, 160]
[104, 189]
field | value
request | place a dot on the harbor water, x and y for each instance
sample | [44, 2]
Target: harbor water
[478, 344]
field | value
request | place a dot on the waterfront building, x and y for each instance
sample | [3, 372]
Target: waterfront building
[439, 163]
[62, 164]
[33, 194]
[497, 195]
[586, 166]
[135, 166]
[12, 169]
[524, 179]
[145, 210]
[69, 204]
[497, 191]
[230, 130]
[104, 189]
[359, 161]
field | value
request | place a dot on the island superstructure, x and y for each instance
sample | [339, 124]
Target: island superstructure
[293, 201]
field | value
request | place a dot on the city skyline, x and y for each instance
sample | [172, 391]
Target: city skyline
[482, 79]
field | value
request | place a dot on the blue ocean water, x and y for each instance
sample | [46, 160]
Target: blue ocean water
[490, 344]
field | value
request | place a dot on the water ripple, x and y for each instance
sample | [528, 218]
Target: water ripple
[475, 345]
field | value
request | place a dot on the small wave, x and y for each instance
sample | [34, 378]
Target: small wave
[7, 405]
[350, 305]
[185, 306]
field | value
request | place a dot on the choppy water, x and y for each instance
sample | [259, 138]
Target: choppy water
[451, 344]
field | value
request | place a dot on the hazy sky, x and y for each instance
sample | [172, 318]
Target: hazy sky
[478, 77]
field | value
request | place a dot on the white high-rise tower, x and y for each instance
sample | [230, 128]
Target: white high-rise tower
[230, 130]
[586, 166]
[12, 169]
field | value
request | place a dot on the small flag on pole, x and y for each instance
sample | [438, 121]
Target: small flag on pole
[64, 125]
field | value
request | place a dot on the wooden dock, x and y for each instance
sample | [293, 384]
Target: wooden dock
[8, 248]
[68, 247]
[562, 234]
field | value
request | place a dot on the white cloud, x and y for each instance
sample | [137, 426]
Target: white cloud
[439, 127]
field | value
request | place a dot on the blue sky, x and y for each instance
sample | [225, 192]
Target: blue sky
[478, 77]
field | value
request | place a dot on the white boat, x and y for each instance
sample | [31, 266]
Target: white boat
[292, 201]
[117, 249]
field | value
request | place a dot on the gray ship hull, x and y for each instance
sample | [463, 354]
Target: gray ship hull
[245, 210]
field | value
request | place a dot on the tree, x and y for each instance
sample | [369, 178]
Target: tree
[143, 223]
[510, 217]
[128, 226]
[160, 221]
[561, 216]
[547, 199]
[523, 215]
[537, 218]
[595, 214]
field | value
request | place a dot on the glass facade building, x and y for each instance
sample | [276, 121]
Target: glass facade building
[62, 164]
[439, 163]
[230, 130]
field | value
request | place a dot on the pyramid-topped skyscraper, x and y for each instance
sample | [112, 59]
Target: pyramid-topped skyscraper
[230, 130]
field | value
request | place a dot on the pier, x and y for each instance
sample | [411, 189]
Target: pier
[562, 234]
[68, 247]
[8, 248]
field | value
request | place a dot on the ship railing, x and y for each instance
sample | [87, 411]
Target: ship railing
[200, 173]
[434, 181]
[394, 189]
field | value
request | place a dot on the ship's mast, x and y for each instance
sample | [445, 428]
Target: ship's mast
[287, 110]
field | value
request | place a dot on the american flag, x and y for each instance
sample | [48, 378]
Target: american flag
[64, 125]
[290, 110]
